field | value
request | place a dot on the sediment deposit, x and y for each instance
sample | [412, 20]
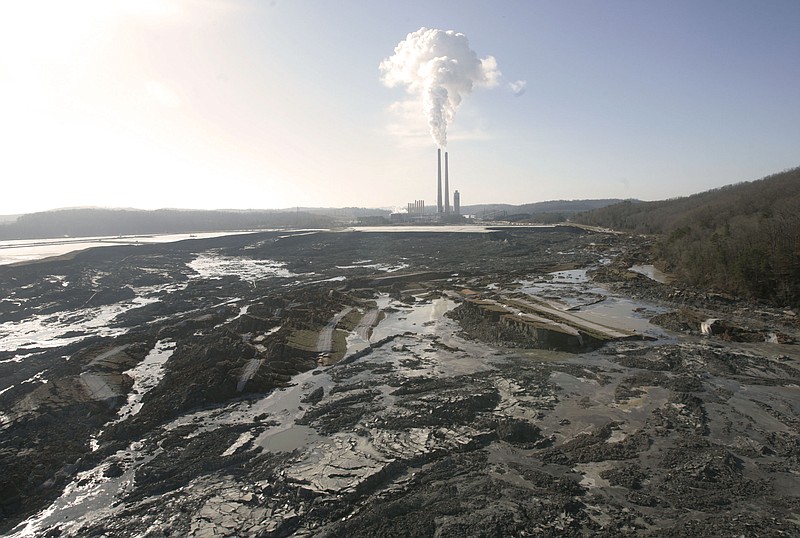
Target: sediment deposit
[520, 382]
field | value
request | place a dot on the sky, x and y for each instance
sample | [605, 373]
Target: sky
[241, 104]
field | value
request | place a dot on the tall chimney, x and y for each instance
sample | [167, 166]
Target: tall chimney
[446, 185]
[439, 184]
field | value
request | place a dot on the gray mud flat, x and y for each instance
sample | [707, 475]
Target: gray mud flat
[389, 384]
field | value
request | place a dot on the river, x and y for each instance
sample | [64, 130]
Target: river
[26, 250]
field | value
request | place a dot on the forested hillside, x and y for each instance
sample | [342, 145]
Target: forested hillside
[743, 238]
[550, 211]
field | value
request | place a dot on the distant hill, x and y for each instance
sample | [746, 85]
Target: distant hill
[346, 214]
[551, 211]
[87, 222]
[98, 222]
[742, 238]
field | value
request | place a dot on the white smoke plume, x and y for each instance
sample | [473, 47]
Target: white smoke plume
[440, 67]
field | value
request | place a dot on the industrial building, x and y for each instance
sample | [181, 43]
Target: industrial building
[415, 211]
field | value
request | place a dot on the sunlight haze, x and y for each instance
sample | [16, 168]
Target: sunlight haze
[250, 104]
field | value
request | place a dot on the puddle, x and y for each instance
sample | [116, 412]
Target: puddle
[622, 313]
[146, 376]
[417, 318]
[574, 292]
[652, 273]
[386, 268]
[284, 406]
[91, 496]
[50, 330]
[213, 266]
[69, 326]
[290, 439]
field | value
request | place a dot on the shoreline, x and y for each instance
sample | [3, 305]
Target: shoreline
[98, 242]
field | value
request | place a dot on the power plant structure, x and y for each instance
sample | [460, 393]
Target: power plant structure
[439, 180]
[415, 211]
[416, 208]
[446, 185]
[442, 208]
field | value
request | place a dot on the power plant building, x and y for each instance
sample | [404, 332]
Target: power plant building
[415, 211]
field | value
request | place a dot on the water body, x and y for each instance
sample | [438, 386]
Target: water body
[26, 250]
[472, 229]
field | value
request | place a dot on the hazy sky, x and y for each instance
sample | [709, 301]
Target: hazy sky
[259, 104]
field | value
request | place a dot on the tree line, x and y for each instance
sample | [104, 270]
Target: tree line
[743, 239]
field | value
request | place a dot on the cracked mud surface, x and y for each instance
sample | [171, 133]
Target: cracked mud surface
[399, 384]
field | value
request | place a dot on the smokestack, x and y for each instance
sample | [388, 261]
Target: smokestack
[439, 184]
[457, 202]
[446, 185]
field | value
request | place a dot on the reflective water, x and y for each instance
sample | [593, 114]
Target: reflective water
[574, 292]
[217, 266]
[146, 375]
[442, 229]
[51, 330]
[418, 318]
[377, 266]
[652, 273]
[626, 314]
[22, 250]
[91, 495]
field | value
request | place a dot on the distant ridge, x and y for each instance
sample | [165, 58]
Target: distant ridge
[93, 221]
[550, 211]
[88, 222]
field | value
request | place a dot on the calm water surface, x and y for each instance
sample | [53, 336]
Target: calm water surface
[23, 250]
